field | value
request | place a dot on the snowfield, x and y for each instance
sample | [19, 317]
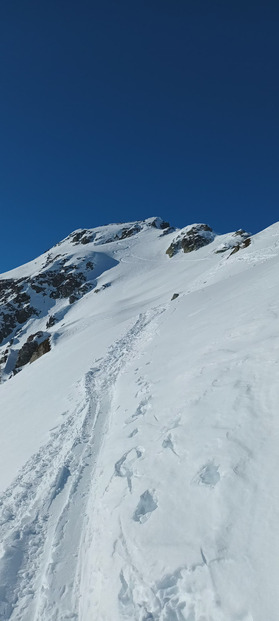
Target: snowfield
[139, 457]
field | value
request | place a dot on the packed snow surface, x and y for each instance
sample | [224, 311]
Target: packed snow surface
[139, 457]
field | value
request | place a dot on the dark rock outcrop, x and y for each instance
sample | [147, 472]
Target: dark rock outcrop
[105, 286]
[195, 238]
[128, 232]
[160, 224]
[51, 321]
[56, 281]
[243, 244]
[43, 348]
[33, 349]
[15, 307]
[79, 292]
[25, 354]
[82, 237]
[238, 240]
[167, 231]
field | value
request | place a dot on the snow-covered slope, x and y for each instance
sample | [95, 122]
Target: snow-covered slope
[139, 455]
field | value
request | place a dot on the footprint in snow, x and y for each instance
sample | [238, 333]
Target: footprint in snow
[168, 443]
[133, 433]
[146, 505]
[140, 411]
[124, 467]
[209, 474]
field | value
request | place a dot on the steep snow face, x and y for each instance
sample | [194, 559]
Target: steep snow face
[139, 455]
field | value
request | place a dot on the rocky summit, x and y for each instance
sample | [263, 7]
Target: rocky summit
[139, 396]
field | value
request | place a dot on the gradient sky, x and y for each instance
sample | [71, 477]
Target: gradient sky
[118, 110]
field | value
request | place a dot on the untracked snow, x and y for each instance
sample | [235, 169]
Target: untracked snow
[139, 457]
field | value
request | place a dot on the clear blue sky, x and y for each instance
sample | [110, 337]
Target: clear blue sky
[116, 110]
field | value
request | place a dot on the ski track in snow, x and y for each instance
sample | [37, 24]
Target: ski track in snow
[42, 511]
[191, 592]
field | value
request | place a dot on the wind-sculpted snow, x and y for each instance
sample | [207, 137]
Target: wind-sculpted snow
[139, 456]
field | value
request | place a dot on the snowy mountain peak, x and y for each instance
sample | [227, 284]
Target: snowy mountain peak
[38, 295]
[114, 232]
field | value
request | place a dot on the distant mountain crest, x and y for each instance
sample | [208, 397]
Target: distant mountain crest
[114, 232]
[42, 291]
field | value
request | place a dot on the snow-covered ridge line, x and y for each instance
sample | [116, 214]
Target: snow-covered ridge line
[114, 232]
